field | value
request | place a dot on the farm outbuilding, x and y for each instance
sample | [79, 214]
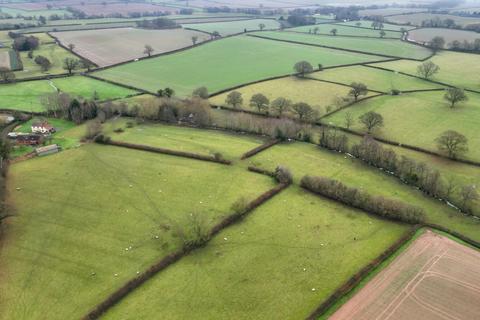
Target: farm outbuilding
[43, 151]
[28, 139]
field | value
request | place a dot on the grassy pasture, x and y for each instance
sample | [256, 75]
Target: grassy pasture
[79, 210]
[319, 95]
[304, 158]
[52, 52]
[417, 18]
[233, 27]
[388, 11]
[123, 44]
[427, 34]
[389, 47]
[32, 13]
[432, 115]
[26, 96]
[284, 259]
[458, 69]
[205, 142]
[346, 31]
[374, 79]
[368, 24]
[241, 60]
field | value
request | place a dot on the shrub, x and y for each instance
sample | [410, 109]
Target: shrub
[283, 175]
[240, 206]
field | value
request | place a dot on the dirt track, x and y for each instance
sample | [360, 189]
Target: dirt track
[435, 278]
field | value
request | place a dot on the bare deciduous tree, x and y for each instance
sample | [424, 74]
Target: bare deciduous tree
[427, 69]
[452, 143]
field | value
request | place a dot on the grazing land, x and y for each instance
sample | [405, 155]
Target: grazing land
[417, 19]
[206, 142]
[303, 159]
[285, 257]
[368, 24]
[432, 113]
[123, 44]
[425, 35]
[27, 96]
[242, 59]
[122, 8]
[374, 79]
[434, 276]
[389, 11]
[458, 69]
[234, 27]
[84, 243]
[325, 29]
[389, 47]
[320, 95]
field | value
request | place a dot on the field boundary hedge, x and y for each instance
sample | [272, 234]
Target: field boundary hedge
[350, 26]
[261, 171]
[403, 145]
[341, 35]
[297, 74]
[418, 77]
[359, 276]
[259, 149]
[46, 77]
[336, 48]
[182, 154]
[118, 84]
[165, 262]
[347, 106]
[60, 44]
[343, 84]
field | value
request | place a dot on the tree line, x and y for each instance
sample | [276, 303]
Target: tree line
[412, 172]
[378, 205]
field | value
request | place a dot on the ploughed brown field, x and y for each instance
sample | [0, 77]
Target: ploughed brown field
[435, 278]
[123, 44]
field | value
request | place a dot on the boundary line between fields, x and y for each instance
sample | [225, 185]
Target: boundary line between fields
[170, 259]
[340, 35]
[361, 275]
[340, 49]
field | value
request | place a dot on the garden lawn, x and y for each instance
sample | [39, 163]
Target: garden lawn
[282, 261]
[389, 47]
[458, 69]
[320, 95]
[303, 158]
[374, 79]
[232, 27]
[89, 218]
[26, 96]
[419, 118]
[225, 63]
[346, 31]
[206, 142]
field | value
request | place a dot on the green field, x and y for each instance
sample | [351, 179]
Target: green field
[280, 263]
[417, 18]
[458, 69]
[80, 210]
[387, 47]
[233, 27]
[320, 95]
[418, 118]
[32, 13]
[368, 24]
[425, 35]
[374, 79]
[346, 31]
[241, 59]
[26, 96]
[304, 159]
[206, 142]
